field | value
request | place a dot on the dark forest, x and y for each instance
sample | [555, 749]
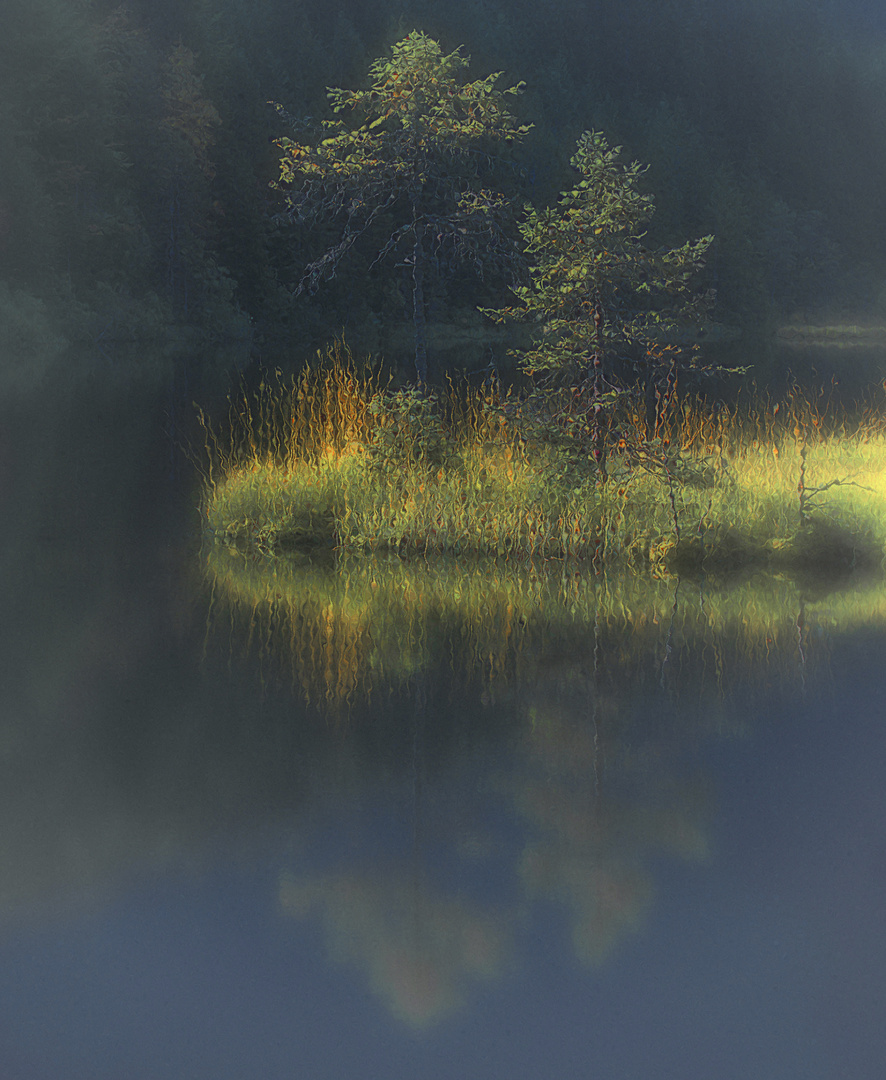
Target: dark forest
[138, 153]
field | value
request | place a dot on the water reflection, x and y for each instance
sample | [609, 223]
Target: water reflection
[416, 947]
[590, 839]
[602, 690]
[344, 630]
[245, 799]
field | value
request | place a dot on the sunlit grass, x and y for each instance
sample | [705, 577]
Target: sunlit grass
[361, 536]
[795, 484]
[335, 461]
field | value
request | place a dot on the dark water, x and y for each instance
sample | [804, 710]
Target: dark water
[551, 829]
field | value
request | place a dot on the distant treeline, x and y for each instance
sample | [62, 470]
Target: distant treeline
[136, 153]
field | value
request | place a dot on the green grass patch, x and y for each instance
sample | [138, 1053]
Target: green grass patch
[338, 462]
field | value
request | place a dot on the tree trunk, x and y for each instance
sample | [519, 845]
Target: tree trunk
[418, 302]
[599, 419]
[418, 314]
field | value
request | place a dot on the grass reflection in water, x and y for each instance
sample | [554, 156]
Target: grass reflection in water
[342, 629]
[602, 685]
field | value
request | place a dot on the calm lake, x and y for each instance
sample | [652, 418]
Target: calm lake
[347, 820]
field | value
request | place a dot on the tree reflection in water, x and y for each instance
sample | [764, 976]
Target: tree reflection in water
[598, 686]
[417, 949]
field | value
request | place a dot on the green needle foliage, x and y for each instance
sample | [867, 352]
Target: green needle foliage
[409, 155]
[605, 303]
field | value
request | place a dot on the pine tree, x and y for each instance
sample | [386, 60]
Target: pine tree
[410, 153]
[603, 301]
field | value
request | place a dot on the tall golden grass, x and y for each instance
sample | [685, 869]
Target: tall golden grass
[336, 460]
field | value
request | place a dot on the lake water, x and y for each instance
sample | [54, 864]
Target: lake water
[374, 820]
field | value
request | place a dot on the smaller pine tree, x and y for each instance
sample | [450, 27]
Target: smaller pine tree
[606, 305]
